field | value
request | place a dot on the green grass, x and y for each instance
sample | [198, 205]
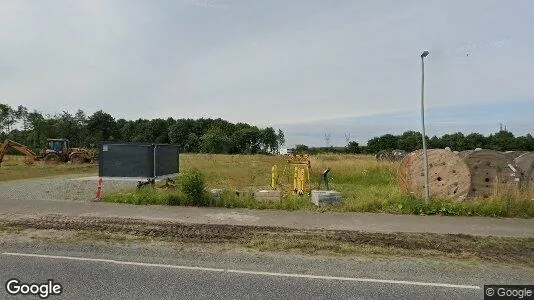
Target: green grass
[13, 168]
[366, 185]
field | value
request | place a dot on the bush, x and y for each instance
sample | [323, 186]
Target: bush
[194, 188]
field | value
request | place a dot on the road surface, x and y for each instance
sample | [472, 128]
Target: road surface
[110, 271]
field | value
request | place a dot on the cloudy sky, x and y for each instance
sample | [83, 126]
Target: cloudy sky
[262, 62]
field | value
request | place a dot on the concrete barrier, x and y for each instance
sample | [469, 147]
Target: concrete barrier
[267, 195]
[321, 197]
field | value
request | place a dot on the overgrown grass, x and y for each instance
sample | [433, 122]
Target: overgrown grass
[366, 185]
[13, 167]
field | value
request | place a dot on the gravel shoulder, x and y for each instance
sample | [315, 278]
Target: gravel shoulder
[60, 188]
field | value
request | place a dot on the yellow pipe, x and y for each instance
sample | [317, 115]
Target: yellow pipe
[295, 180]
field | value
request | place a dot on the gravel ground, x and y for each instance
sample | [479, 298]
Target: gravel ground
[61, 188]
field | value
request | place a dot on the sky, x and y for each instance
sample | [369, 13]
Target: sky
[263, 62]
[473, 118]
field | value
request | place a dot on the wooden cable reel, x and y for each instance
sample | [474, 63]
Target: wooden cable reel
[490, 170]
[448, 174]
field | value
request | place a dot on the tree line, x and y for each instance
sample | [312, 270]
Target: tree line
[195, 136]
[502, 140]
[216, 135]
[411, 140]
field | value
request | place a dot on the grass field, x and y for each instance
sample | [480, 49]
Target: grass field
[366, 185]
[13, 167]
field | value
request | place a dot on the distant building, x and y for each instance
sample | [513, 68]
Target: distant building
[287, 151]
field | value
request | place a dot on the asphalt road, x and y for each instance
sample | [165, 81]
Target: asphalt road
[103, 271]
[107, 280]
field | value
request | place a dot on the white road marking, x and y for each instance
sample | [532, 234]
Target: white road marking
[129, 263]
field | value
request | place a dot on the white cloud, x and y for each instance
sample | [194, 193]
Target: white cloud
[261, 62]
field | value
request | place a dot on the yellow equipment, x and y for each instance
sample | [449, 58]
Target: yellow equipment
[30, 156]
[58, 151]
[301, 166]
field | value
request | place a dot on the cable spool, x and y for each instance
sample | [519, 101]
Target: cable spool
[489, 170]
[465, 153]
[525, 164]
[511, 155]
[448, 174]
[403, 172]
[383, 155]
[398, 155]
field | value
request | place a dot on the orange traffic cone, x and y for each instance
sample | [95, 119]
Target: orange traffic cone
[99, 183]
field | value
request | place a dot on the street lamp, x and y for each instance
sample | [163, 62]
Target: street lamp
[425, 154]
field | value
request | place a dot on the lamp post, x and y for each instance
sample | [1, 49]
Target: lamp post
[425, 154]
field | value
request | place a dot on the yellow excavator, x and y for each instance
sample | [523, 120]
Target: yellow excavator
[30, 156]
[58, 151]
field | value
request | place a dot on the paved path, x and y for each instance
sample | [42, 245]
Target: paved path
[368, 222]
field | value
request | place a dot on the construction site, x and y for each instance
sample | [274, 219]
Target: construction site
[223, 149]
[58, 151]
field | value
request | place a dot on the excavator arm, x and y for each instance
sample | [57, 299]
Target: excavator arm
[19, 147]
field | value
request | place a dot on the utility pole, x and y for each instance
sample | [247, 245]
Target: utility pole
[327, 138]
[425, 153]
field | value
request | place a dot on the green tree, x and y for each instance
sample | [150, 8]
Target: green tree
[502, 141]
[455, 141]
[180, 133]
[302, 149]
[410, 141]
[7, 118]
[525, 143]
[269, 140]
[281, 138]
[246, 140]
[475, 140]
[435, 143]
[353, 148]
[101, 127]
[215, 140]
[159, 131]
[384, 142]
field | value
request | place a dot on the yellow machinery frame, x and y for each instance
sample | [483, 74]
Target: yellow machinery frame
[301, 166]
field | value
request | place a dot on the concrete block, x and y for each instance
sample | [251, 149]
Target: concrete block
[267, 195]
[321, 197]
